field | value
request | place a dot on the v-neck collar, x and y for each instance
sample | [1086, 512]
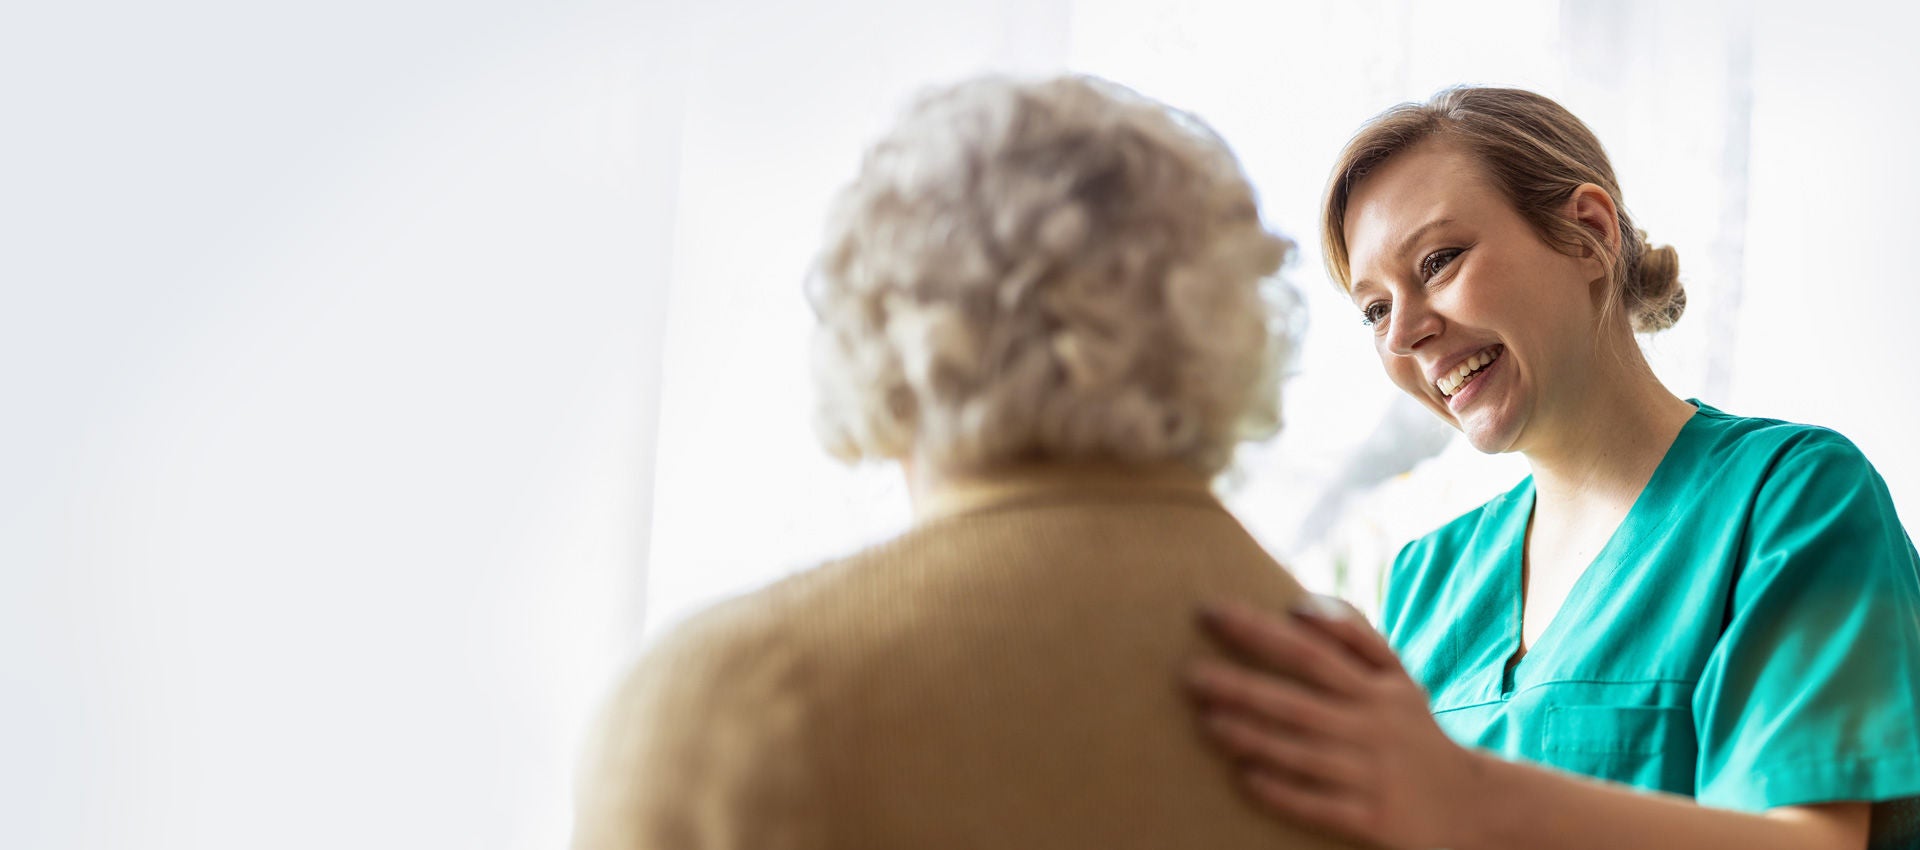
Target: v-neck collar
[1647, 507]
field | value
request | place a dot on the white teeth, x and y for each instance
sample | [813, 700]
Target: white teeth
[1453, 381]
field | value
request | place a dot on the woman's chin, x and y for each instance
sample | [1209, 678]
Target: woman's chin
[1488, 435]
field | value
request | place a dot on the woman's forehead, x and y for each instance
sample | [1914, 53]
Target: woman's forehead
[1409, 193]
[1421, 176]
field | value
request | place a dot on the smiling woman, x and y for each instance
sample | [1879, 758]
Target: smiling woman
[1677, 600]
[1524, 323]
[1533, 216]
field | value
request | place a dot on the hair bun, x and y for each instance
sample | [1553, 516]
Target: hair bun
[1654, 295]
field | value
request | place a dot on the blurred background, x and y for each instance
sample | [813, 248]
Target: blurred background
[377, 377]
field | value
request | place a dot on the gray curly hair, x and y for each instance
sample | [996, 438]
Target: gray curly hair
[1050, 269]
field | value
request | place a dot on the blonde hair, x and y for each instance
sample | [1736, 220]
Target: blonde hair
[1536, 154]
[1051, 269]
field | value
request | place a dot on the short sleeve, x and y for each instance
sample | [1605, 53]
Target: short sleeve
[700, 748]
[1393, 596]
[1813, 692]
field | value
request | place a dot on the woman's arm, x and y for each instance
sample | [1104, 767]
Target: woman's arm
[1347, 744]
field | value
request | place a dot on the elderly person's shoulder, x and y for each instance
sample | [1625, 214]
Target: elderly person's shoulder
[744, 648]
[712, 653]
[711, 737]
[746, 643]
[713, 704]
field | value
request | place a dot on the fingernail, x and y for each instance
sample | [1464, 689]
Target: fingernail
[1323, 607]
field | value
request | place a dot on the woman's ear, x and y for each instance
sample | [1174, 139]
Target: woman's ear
[1592, 208]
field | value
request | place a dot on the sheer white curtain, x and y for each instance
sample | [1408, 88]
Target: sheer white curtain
[324, 353]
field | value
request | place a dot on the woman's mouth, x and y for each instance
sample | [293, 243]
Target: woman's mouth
[1470, 368]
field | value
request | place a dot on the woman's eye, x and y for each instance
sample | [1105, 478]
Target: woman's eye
[1373, 314]
[1437, 262]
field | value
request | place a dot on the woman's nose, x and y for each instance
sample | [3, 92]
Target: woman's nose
[1413, 323]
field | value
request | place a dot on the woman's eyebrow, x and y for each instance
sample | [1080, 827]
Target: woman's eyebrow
[1418, 233]
[1400, 250]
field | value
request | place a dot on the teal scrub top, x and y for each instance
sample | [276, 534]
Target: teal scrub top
[1750, 636]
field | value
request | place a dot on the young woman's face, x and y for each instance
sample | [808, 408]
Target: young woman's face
[1450, 278]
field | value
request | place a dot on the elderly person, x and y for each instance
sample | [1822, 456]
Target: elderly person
[1045, 301]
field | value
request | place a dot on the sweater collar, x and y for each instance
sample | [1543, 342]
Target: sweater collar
[1054, 482]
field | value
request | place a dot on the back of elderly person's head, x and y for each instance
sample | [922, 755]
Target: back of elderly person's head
[1058, 269]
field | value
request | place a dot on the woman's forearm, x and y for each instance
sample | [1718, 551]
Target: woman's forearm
[1335, 734]
[1521, 805]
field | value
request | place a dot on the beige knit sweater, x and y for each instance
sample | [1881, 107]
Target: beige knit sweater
[1005, 675]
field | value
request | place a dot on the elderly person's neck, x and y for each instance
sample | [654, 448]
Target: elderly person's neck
[938, 490]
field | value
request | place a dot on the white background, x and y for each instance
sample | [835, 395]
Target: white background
[374, 374]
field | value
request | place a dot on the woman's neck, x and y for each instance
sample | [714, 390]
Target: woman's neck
[1607, 445]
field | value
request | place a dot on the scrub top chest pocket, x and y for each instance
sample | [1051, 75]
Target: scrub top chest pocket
[1648, 746]
[1592, 729]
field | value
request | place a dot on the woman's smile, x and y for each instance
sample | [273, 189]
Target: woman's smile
[1456, 378]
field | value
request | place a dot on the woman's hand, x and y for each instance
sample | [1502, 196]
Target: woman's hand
[1332, 733]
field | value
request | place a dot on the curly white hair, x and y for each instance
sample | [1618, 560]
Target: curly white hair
[1046, 270]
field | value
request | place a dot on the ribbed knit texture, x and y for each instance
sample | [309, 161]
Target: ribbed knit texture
[1003, 677]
